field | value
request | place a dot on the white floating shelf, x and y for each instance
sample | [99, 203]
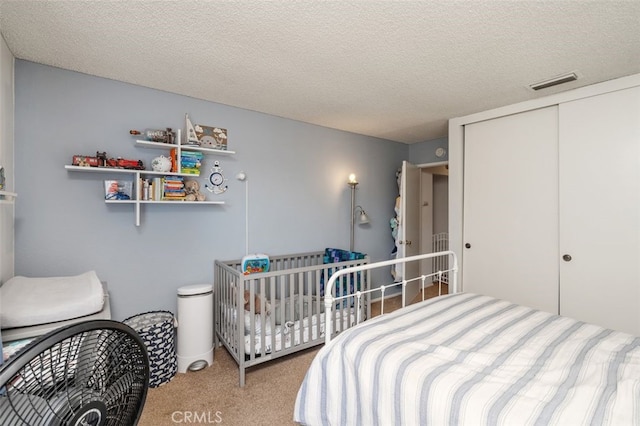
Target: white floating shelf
[100, 169]
[178, 202]
[136, 175]
[162, 145]
[126, 171]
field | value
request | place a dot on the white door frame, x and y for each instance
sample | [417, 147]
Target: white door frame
[427, 244]
[414, 289]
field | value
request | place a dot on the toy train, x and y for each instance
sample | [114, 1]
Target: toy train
[101, 160]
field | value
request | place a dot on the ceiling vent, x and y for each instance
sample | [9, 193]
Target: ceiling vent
[554, 81]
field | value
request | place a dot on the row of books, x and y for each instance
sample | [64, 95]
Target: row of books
[190, 161]
[166, 188]
[173, 188]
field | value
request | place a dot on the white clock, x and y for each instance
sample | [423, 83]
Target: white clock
[216, 180]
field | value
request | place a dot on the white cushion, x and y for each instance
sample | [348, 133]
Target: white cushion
[30, 301]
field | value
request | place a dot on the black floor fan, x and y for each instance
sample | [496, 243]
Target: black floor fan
[87, 374]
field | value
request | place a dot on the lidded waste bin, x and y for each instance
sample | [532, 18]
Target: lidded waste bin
[195, 327]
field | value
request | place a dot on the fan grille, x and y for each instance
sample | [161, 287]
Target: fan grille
[92, 377]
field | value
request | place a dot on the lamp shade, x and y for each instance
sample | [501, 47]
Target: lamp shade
[363, 218]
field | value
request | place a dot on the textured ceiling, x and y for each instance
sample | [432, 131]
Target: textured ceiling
[392, 69]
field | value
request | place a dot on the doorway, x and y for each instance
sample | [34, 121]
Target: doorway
[434, 212]
[423, 219]
[434, 209]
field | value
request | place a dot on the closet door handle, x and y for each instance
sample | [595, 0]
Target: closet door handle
[467, 245]
[566, 258]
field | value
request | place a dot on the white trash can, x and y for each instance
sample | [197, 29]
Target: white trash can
[195, 327]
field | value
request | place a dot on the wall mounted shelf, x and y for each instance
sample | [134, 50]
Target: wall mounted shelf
[161, 145]
[138, 174]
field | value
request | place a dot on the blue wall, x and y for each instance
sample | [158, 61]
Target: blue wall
[425, 152]
[298, 197]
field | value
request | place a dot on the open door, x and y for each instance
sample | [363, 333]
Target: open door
[409, 229]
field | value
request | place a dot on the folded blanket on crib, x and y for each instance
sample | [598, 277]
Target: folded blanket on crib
[28, 301]
[333, 255]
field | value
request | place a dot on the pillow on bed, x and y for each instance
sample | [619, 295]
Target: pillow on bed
[31, 301]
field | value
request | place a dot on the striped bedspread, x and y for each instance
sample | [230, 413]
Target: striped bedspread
[466, 359]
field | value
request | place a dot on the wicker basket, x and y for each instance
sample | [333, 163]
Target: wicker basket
[158, 333]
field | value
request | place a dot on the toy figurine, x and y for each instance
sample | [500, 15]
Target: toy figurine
[192, 189]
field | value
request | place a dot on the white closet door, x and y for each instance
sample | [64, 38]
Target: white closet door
[510, 226]
[600, 209]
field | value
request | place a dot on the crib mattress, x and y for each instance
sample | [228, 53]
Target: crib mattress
[288, 334]
[28, 301]
[291, 334]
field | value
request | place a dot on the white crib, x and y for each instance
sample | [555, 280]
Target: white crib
[291, 317]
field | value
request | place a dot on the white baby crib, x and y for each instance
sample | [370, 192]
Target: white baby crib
[291, 315]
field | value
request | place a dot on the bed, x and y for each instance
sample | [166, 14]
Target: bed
[465, 358]
[285, 312]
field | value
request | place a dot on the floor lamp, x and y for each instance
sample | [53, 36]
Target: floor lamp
[242, 177]
[354, 209]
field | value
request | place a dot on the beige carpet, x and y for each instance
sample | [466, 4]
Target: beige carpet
[212, 395]
[205, 396]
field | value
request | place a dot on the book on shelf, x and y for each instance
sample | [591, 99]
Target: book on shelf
[174, 162]
[191, 171]
[188, 160]
[157, 188]
[189, 163]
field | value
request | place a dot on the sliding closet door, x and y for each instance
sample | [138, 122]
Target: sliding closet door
[510, 226]
[600, 209]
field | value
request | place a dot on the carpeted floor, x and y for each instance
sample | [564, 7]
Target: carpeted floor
[212, 395]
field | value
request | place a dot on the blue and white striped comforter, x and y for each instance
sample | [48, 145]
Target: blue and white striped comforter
[466, 359]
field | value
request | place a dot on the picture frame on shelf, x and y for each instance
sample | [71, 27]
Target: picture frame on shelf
[211, 137]
[118, 189]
